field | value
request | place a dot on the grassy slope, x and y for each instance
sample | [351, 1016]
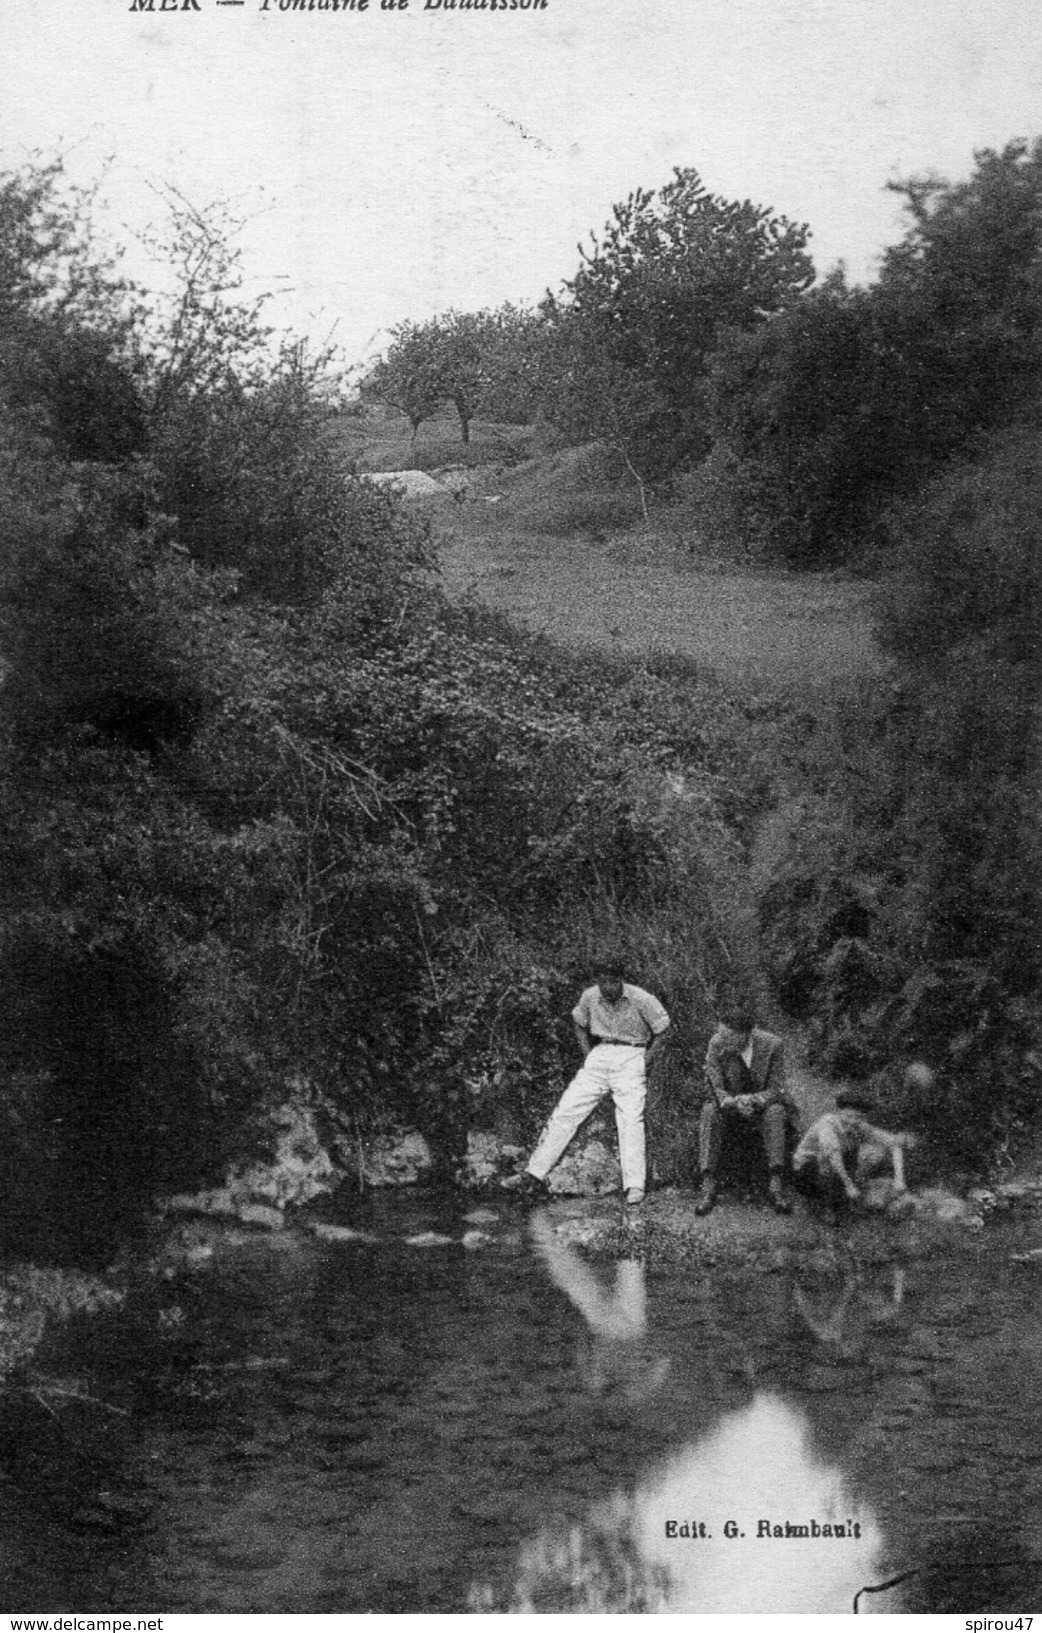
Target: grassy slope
[552, 540]
[558, 543]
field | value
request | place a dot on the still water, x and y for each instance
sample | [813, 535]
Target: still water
[401, 1422]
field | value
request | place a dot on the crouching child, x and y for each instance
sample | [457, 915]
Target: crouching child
[842, 1152]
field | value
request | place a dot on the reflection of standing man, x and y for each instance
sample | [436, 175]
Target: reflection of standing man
[619, 1028]
[616, 1315]
[745, 1083]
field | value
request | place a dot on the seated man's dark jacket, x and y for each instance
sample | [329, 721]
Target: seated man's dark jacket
[727, 1074]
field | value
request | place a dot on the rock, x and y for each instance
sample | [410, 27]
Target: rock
[583, 1232]
[192, 1246]
[1025, 1196]
[260, 1215]
[409, 485]
[944, 1208]
[191, 1255]
[215, 1204]
[591, 1171]
[487, 1159]
[339, 1233]
[901, 1206]
[394, 1159]
[476, 1238]
[935, 1204]
[879, 1195]
[428, 1238]
[299, 1168]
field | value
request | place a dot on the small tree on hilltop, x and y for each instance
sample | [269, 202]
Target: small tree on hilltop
[672, 270]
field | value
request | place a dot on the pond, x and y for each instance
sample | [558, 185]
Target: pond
[452, 1411]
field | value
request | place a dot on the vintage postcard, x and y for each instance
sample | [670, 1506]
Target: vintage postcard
[518, 817]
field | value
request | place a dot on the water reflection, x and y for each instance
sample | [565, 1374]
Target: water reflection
[846, 1313]
[799, 1539]
[614, 1355]
[329, 1427]
[749, 1516]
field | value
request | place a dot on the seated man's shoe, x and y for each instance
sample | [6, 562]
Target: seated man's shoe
[706, 1196]
[634, 1196]
[777, 1195]
[525, 1187]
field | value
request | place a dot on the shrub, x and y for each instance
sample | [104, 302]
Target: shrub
[903, 916]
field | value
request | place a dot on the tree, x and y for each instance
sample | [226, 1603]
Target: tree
[812, 439]
[850, 400]
[671, 272]
[68, 323]
[513, 342]
[407, 377]
[904, 920]
[481, 362]
[445, 359]
[462, 346]
[239, 421]
[968, 278]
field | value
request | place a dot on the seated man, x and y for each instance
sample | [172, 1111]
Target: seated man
[745, 1083]
[843, 1138]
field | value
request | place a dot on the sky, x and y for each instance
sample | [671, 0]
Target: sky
[393, 164]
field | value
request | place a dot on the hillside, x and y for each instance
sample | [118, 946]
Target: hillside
[557, 542]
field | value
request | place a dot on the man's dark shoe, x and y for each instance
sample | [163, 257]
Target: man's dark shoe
[525, 1187]
[777, 1195]
[706, 1196]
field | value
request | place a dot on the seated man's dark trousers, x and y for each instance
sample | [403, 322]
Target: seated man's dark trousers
[717, 1123]
[773, 1123]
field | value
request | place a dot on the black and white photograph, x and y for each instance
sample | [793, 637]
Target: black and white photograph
[520, 792]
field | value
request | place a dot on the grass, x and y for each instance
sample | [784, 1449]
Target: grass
[554, 539]
[387, 443]
[633, 595]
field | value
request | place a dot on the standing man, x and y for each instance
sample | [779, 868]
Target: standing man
[745, 1083]
[619, 1028]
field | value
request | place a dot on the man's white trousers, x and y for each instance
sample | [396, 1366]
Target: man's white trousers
[609, 1068]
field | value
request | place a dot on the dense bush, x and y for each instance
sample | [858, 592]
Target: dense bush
[905, 917]
[272, 809]
[68, 335]
[629, 341]
[849, 400]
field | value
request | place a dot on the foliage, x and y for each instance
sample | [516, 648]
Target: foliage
[242, 450]
[808, 456]
[407, 376]
[482, 362]
[849, 400]
[672, 271]
[967, 279]
[904, 917]
[67, 321]
[270, 807]
[479, 805]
